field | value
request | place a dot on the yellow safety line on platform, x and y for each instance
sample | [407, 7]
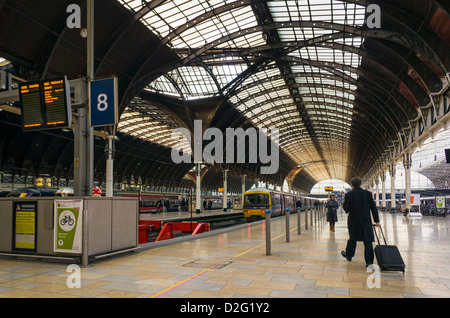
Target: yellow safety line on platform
[183, 282]
[211, 268]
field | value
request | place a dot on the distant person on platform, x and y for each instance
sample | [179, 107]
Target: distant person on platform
[359, 204]
[298, 204]
[332, 207]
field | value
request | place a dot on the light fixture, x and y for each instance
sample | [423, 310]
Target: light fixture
[83, 33]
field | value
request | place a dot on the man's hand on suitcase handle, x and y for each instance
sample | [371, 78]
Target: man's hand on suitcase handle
[378, 224]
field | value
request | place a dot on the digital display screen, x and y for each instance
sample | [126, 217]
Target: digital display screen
[55, 102]
[30, 100]
[45, 104]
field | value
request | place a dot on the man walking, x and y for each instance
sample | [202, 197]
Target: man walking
[358, 204]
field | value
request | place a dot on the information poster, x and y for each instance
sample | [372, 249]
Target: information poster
[24, 225]
[68, 226]
[415, 199]
[440, 202]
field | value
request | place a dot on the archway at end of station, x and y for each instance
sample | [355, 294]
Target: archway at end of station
[324, 187]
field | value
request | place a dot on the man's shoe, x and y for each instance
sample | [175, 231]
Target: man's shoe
[348, 258]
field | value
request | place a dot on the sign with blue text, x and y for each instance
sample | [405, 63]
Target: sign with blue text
[103, 102]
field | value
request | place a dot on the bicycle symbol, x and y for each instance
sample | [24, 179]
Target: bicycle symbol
[67, 219]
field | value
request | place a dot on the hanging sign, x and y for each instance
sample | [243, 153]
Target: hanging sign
[104, 102]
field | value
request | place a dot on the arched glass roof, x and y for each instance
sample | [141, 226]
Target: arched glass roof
[307, 91]
[295, 65]
[345, 97]
[146, 121]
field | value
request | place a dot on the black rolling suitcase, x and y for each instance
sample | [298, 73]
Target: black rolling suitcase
[388, 256]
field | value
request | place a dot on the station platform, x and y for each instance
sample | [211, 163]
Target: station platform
[234, 264]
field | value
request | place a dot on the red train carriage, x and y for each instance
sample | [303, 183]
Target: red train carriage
[156, 202]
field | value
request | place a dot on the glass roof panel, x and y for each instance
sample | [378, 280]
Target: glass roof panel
[145, 121]
[318, 76]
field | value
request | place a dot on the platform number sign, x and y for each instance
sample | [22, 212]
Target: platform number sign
[103, 102]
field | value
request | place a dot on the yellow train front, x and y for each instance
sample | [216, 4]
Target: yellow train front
[258, 200]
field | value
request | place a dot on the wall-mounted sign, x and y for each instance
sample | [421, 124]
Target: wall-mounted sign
[440, 202]
[68, 226]
[328, 188]
[25, 220]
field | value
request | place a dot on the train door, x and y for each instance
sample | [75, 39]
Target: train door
[276, 203]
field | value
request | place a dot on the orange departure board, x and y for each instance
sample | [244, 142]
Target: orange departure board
[45, 104]
[30, 100]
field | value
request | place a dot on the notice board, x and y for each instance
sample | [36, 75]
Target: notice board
[24, 225]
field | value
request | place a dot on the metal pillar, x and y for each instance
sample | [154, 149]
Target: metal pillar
[224, 200]
[83, 134]
[243, 191]
[197, 193]
[306, 218]
[268, 234]
[407, 162]
[377, 202]
[109, 167]
[288, 226]
[383, 190]
[392, 173]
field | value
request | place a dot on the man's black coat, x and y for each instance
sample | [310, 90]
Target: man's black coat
[358, 203]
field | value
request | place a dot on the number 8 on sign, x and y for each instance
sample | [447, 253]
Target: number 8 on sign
[103, 102]
[102, 105]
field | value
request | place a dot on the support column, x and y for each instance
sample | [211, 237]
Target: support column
[225, 176]
[383, 190]
[198, 203]
[407, 162]
[377, 202]
[243, 190]
[83, 134]
[109, 167]
[392, 173]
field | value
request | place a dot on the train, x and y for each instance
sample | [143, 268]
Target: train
[257, 200]
[155, 202]
[38, 192]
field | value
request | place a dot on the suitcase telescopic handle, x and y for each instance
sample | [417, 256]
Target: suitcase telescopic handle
[384, 238]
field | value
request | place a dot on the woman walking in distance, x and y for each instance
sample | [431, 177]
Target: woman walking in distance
[332, 207]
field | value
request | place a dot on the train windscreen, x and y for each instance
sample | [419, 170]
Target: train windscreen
[256, 201]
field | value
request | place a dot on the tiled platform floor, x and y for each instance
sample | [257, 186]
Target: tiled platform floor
[234, 264]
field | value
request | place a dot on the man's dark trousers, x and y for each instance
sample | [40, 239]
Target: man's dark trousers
[368, 250]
